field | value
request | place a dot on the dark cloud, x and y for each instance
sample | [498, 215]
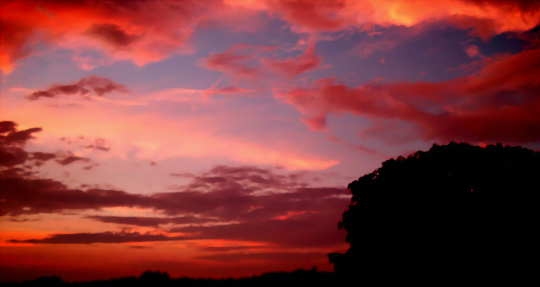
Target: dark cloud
[100, 86]
[259, 200]
[274, 256]
[524, 5]
[295, 217]
[98, 144]
[18, 137]
[40, 157]
[103, 237]
[12, 143]
[12, 156]
[231, 248]
[303, 230]
[89, 167]
[12, 148]
[71, 159]
[22, 195]
[150, 221]
[7, 126]
[224, 193]
[244, 193]
[111, 34]
[43, 156]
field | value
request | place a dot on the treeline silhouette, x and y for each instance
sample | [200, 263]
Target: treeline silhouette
[457, 213]
[296, 278]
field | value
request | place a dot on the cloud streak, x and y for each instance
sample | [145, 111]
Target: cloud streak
[486, 106]
[100, 86]
[150, 221]
[103, 237]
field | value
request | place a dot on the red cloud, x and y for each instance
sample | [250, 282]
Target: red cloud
[250, 65]
[315, 123]
[141, 31]
[498, 103]
[111, 34]
[149, 31]
[150, 221]
[313, 14]
[485, 17]
[232, 64]
[100, 86]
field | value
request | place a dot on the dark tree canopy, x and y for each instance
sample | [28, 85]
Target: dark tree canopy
[454, 203]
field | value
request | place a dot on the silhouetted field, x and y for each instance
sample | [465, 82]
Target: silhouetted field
[296, 278]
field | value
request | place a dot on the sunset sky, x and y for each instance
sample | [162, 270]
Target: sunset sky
[217, 138]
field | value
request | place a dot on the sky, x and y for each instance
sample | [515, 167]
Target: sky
[217, 138]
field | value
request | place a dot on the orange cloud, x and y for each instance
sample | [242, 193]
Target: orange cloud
[149, 31]
[486, 18]
[336, 15]
[141, 31]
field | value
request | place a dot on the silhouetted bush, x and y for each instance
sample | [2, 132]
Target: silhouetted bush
[455, 210]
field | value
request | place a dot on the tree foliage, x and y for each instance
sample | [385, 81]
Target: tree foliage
[382, 199]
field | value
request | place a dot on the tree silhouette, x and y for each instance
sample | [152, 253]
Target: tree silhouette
[454, 210]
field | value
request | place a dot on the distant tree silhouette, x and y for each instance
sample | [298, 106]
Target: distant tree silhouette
[49, 281]
[453, 212]
[296, 278]
[157, 276]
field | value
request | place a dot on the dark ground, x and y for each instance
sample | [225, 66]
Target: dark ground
[277, 279]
